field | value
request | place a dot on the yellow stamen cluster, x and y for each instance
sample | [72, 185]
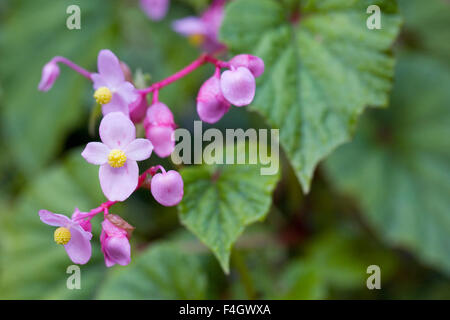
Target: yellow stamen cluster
[117, 158]
[103, 95]
[196, 39]
[62, 235]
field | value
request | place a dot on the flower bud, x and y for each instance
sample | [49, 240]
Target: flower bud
[155, 9]
[167, 188]
[238, 86]
[252, 63]
[115, 244]
[50, 73]
[160, 129]
[211, 105]
[138, 109]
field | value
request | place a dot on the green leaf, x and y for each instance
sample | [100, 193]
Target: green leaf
[33, 266]
[398, 166]
[36, 123]
[320, 72]
[219, 202]
[158, 273]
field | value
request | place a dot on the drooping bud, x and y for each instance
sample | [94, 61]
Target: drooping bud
[167, 188]
[115, 244]
[138, 109]
[160, 129]
[211, 104]
[50, 73]
[252, 63]
[238, 86]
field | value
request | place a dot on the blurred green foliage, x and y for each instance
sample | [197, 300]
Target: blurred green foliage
[381, 199]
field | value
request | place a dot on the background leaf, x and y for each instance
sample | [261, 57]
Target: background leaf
[158, 273]
[320, 72]
[399, 164]
[219, 202]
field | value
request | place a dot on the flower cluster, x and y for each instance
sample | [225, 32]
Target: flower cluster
[119, 151]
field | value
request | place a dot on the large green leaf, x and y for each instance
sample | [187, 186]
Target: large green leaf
[158, 273]
[398, 167]
[32, 265]
[320, 72]
[220, 201]
[34, 123]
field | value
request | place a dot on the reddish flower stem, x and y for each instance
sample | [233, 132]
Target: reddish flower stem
[204, 58]
[73, 66]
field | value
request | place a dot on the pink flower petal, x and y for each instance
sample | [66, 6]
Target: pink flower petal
[98, 80]
[139, 149]
[190, 26]
[211, 105]
[252, 63]
[96, 153]
[118, 250]
[119, 183]
[79, 247]
[127, 92]
[109, 67]
[54, 219]
[162, 138]
[155, 9]
[238, 86]
[167, 188]
[117, 104]
[117, 130]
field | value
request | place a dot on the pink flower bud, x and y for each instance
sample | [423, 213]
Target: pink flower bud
[138, 109]
[50, 73]
[160, 129]
[115, 244]
[238, 86]
[167, 188]
[211, 105]
[252, 63]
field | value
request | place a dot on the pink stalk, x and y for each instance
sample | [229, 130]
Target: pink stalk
[204, 58]
[73, 66]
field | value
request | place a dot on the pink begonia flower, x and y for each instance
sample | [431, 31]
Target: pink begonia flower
[117, 156]
[112, 90]
[71, 234]
[238, 86]
[204, 30]
[155, 9]
[252, 63]
[160, 129]
[167, 188]
[115, 244]
[50, 73]
[211, 104]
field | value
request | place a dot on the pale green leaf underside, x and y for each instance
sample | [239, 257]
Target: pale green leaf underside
[398, 167]
[161, 272]
[319, 74]
[218, 205]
